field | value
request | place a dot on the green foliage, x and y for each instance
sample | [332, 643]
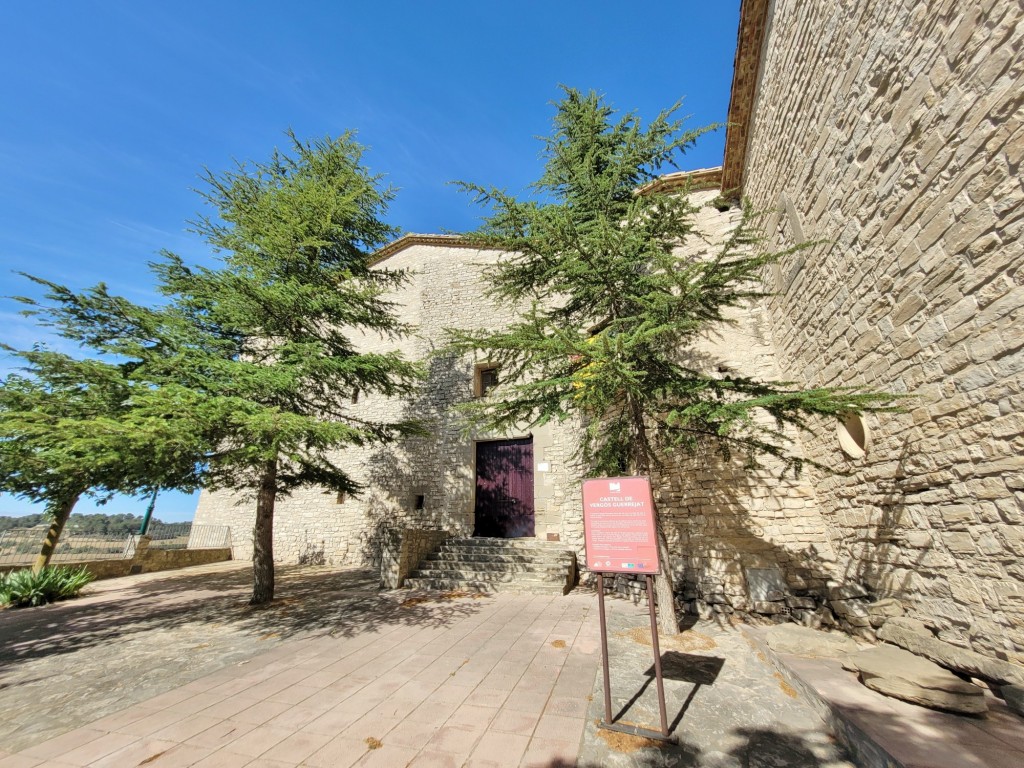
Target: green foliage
[69, 426]
[248, 369]
[254, 357]
[609, 313]
[27, 588]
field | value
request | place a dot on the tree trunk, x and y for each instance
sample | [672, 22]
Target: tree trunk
[668, 622]
[61, 513]
[263, 537]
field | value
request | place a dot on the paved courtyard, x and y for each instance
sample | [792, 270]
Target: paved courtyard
[174, 669]
[332, 674]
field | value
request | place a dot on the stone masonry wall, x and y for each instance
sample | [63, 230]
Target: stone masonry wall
[892, 133]
[446, 290]
[726, 524]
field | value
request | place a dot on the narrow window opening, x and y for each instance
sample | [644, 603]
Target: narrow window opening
[486, 379]
[341, 498]
[420, 501]
[853, 436]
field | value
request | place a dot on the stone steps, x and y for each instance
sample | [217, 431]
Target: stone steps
[497, 565]
[494, 561]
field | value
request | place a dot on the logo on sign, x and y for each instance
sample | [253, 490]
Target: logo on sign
[628, 565]
[614, 486]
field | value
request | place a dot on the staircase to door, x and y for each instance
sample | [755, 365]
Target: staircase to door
[497, 565]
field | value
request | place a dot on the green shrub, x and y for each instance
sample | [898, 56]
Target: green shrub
[22, 588]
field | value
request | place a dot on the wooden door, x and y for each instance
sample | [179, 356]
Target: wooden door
[504, 489]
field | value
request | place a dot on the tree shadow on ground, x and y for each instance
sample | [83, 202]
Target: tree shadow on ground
[757, 748]
[310, 602]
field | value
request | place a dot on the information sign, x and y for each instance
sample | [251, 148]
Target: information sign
[618, 525]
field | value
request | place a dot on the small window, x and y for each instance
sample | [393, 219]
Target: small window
[420, 501]
[853, 436]
[486, 379]
[341, 498]
[355, 395]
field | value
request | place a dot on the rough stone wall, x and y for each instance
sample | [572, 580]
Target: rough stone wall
[892, 132]
[446, 290]
[404, 550]
[720, 518]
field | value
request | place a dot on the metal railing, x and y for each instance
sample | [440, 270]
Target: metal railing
[189, 536]
[20, 546]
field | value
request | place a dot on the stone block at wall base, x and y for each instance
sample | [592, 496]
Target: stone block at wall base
[402, 550]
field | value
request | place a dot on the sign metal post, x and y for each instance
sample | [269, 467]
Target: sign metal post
[621, 537]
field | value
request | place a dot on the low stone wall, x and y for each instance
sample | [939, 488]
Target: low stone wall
[145, 561]
[403, 550]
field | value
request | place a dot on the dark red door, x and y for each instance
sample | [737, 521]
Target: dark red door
[504, 488]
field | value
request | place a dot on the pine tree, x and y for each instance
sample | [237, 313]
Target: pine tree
[72, 427]
[260, 347]
[607, 309]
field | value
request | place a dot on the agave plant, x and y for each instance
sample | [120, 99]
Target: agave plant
[25, 588]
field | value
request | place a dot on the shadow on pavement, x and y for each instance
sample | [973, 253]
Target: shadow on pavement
[309, 601]
[760, 748]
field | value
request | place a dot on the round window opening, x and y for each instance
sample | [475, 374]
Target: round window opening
[853, 435]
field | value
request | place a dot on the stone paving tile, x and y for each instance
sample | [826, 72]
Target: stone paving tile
[457, 740]
[95, 750]
[411, 734]
[140, 752]
[502, 750]
[527, 700]
[297, 747]
[386, 756]
[259, 740]
[473, 716]
[434, 712]
[511, 721]
[223, 759]
[548, 753]
[56, 747]
[261, 712]
[20, 761]
[427, 759]
[295, 717]
[339, 752]
[221, 734]
[335, 720]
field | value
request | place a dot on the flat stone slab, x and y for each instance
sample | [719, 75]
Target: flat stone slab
[812, 643]
[913, 636]
[727, 706]
[882, 732]
[902, 675]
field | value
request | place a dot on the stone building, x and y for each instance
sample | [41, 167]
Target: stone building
[890, 135]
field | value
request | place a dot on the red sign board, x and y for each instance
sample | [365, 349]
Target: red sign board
[618, 523]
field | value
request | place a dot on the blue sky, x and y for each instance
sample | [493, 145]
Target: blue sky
[110, 109]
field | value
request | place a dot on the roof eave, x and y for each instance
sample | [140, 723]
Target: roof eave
[745, 76]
